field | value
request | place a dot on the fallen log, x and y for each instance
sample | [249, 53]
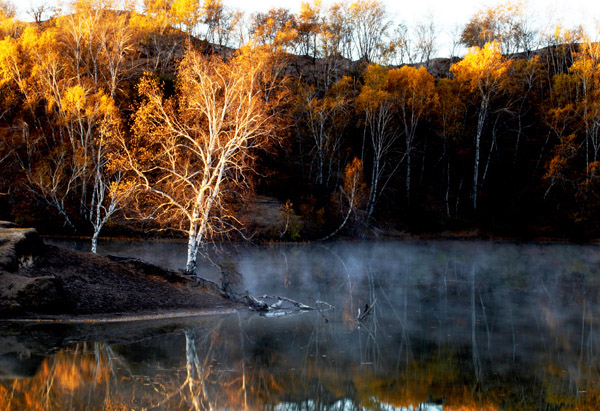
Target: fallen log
[259, 305]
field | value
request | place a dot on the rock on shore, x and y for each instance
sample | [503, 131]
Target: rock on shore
[40, 281]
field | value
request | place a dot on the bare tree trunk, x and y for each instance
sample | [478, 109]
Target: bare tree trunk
[408, 177]
[95, 240]
[447, 196]
[194, 239]
[480, 123]
[192, 254]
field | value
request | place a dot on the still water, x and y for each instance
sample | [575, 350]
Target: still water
[454, 326]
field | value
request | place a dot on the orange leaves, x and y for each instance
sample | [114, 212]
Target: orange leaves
[482, 69]
[407, 88]
[8, 60]
[354, 185]
[277, 28]
[186, 13]
[73, 101]
[450, 108]
[504, 23]
[374, 92]
[188, 147]
[414, 87]
[557, 168]
[9, 25]
[83, 105]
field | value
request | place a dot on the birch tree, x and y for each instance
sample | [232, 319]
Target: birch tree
[414, 93]
[369, 28]
[326, 119]
[483, 72]
[449, 112]
[376, 103]
[189, 150]
[505, 23]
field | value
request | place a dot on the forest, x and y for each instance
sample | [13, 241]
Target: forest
[173, 117]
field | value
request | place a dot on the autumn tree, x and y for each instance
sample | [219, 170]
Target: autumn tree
[52, 160]
[190, 150]
[221, 23]
[70, 71]
[159, 42]
[413, 93]
[376, 104]
[449, 114]
[309, 22]
[483, 72]
[506, 24]
[7, 9]
[411, 44]
[276, 27]
[574, 118]
[352, 195]
[186, 14]
[10, 26]
[586, 70]
[561, 45]
[328, 30]
[325, 119]
[369, 25]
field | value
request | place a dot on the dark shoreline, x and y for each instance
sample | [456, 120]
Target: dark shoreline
[39, 281]
[459, 235]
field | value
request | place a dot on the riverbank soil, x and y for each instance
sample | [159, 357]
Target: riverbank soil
[43, 281]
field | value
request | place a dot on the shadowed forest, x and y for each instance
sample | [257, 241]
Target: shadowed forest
[178, 115]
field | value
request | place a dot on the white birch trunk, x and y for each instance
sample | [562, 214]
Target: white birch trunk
[480, 123]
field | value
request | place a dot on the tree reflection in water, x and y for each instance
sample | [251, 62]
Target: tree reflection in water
[448, 329]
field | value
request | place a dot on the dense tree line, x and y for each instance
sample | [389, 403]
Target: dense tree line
[157, 115]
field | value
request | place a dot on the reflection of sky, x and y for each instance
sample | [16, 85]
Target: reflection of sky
[343, 405]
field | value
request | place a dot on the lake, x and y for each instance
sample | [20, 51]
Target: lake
[453, 326]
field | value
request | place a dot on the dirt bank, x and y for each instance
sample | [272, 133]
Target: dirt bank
[43, 281]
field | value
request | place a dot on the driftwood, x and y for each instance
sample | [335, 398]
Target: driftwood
[256, 305]
[261, 306]
[280, 301]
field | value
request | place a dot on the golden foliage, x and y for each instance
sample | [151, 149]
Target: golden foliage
[188, 147]
[413, 88]
[482, 69]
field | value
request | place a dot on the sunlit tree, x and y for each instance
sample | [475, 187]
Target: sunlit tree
[413, 92]
[190, 150]
[376, 104]
[574, 118]
[309, 22]
[7, 9]
[505, 24]
[220, 22]
[159, 42]
[276, 27]
[483, 72]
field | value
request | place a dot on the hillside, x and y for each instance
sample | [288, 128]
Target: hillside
[102, 127]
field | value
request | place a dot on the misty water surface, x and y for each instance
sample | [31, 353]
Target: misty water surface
[455, 325]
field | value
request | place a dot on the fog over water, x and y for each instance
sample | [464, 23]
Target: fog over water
[454, 325]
